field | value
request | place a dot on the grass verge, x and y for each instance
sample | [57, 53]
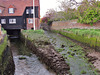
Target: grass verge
[90, 37]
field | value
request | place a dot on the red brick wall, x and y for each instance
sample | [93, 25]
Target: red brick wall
[73, 24]
[37, 20]
[37, 24]
[29, 26]
[37, 3]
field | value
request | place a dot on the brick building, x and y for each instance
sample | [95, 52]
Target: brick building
[18, 14]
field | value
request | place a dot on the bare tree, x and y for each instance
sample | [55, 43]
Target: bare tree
[51, 13]
[66, 4]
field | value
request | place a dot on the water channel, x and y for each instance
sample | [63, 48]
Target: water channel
[77, 62]
[27, 63]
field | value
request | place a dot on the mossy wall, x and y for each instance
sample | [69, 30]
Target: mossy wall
[7, 66]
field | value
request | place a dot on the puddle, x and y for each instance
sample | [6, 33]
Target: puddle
[27, 63]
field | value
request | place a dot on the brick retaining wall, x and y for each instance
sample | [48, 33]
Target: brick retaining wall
[73, 24]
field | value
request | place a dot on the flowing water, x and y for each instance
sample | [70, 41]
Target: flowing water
[27, 63]
[78, 64]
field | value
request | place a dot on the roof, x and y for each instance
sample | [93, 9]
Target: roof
[19, 6]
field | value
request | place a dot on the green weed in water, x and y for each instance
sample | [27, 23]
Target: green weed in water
[83, 72]
[22, 58]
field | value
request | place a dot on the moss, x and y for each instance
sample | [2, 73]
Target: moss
[86, 39]
[32, 31]
[69, 52]
[83, 72]
[73, 54]
[60, 50]
[4, 31]
[36, 36]
[21, 58]
[3, 46]
[70, 56]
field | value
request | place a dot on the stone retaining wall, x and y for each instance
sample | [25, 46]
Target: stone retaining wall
[73, 24]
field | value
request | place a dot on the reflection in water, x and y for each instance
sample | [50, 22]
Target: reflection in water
[27, 63]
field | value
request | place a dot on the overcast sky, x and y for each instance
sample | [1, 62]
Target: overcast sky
[48, 4]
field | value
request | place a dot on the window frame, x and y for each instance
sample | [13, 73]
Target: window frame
[27, 11]
[32, 11]
[3, 21]
[30, 21]
[0, 11]
[12, 21]
[11, 10]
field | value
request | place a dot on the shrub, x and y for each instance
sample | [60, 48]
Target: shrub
[90, 16]
[49, 22]
[89, 12]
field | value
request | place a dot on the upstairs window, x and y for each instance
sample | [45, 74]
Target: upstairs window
[12, 21]
[3, 21]
[30, 21]
[0, 11]
[27, 11]
[11, 10]
[32, 11]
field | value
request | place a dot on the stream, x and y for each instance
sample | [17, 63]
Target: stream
[27, 63]
[72, 54]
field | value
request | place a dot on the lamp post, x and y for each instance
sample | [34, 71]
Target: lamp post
[34, 14]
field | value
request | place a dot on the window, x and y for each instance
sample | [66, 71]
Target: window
[0, 11]
[27, 11]
[30, 21]
[3, 21]
[12, 21]
[32, 11]
[11, 10]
